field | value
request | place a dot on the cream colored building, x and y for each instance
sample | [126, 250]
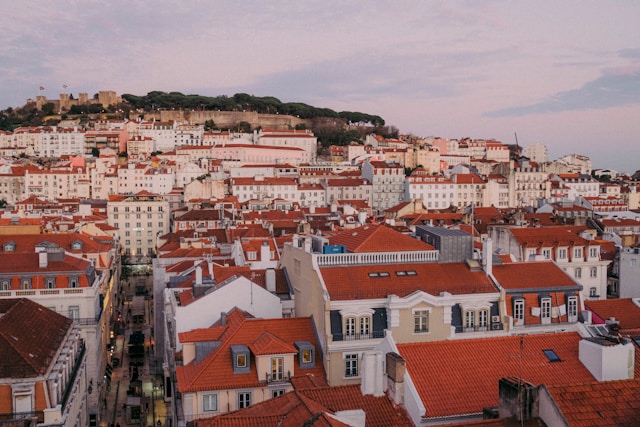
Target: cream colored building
[140, 218]
[357, 298]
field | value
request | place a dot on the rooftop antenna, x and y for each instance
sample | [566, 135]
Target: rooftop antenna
[517, 145]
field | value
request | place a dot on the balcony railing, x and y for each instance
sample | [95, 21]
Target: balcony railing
[280, 377]
[355, 337]
[326, 260]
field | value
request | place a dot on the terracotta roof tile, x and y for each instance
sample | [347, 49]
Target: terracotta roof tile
[610, 403]
[215, 372]
[475, 367]
[377, 238]
[267, 343]
[625, 310]
[30, 335]
[532, 274]
[357, 282]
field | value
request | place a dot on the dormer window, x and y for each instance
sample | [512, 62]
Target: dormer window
[5, 285]
[9, 247]
[577, 253]
[306, 354]
[251, 255]
[76, 245]
[50, 283]
[562, 253]
[240, 359]
[25, 283]
[73, 281]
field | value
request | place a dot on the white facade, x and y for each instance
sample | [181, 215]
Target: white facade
[238, 292]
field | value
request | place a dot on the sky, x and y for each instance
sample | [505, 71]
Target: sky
[565, 74]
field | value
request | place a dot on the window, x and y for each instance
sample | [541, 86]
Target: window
[306, 356]
[277, 368]
[469, 319]
[50, 283]
[572, 309]
[73, 282]
[593, 252]
[518, 312]
[74, 312]
[244, 399]
[5, 285]
[278, 392]
[25, 283]
[577, 253]
[365, 326]
[251, 255]
[351, 365]
[545, 310]
[562, 253]
[593, 272]
[593, 292]
[420, 321]
[241, 360]
[578, 273]
[546, 253]
[350, 327]
[210, 402]
[483, 319]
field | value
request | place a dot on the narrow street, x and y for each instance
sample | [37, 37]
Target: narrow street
[134, 395]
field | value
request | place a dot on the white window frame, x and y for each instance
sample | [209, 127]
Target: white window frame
[351, 365]
[277, 368]
[577, 253]
[469, 320]
[545, 310]
[593, 272]
[210, 402]
[562, 253]
[572, 309]
[518, 311]
[421, 321]
[483, 319]
[365, 327]
[577, 273]
[244, 399]
[350, 327]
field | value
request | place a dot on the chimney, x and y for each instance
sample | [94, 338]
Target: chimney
[198, 273]
[270, 279]
[487, 256]
[265, 252]
[608, 358]
[43, 258]
[372, 373]
[223, 319]
[517, 399]
[396, 368]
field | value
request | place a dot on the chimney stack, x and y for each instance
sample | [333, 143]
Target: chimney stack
[487, 256]
[396, 368]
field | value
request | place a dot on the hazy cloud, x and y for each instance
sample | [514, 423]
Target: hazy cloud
[609, 90]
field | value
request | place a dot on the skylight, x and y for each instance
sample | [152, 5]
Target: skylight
[551, 355]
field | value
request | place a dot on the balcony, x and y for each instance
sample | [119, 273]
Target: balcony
[357, 337]
[279, 377]
[326, 260]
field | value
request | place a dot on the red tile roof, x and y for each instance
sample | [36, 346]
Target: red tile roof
[311, 407]
[610, 403]
[378, 238]
[30, 336]
[215, 371]
[625, 310]
[355, 282]
[533, 274]
[462, 376]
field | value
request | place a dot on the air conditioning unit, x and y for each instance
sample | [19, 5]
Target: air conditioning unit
[495, 319]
